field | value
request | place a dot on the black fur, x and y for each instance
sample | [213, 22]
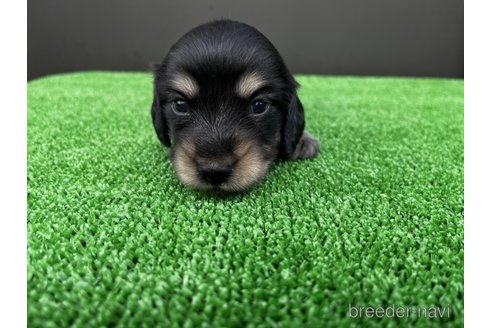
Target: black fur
[216, 55]
[160, 123]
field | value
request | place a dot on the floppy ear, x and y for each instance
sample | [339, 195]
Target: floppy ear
[292, 128]
[296, 143]
[160, 123]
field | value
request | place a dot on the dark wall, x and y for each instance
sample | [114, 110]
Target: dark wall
[340, 37]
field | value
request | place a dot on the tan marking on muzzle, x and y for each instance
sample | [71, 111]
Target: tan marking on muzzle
[249, 169]
[249, 83]
[185, 84]
[185, 167]
[242, 148]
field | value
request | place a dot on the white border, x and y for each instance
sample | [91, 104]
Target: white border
[13, 119]
[478, 163]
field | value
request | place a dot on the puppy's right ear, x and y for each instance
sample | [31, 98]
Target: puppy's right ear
[296, 142]
[159, 120]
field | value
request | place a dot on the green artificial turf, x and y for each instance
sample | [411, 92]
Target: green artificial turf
[375, 220]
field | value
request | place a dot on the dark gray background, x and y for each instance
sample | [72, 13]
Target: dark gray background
[337, 37]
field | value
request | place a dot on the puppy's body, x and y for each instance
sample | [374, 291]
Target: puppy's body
[227, 106]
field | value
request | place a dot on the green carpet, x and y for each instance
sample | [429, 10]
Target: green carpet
[375, 220]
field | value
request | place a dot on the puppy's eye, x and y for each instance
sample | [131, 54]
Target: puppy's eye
[259, 107]
[180, 106]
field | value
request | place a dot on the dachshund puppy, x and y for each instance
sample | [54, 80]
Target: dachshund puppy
[226, 105]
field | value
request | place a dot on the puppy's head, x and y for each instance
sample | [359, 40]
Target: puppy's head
[226, 104]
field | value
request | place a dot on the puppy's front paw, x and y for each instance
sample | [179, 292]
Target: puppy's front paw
[308, 147]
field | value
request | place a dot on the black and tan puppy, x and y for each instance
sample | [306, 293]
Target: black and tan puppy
[226, 104]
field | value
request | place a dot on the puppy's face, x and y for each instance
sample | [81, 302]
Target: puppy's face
[225, 134]
[226, 105]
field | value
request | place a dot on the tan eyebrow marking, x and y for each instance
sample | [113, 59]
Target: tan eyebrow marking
[185, 84]
[249, 83]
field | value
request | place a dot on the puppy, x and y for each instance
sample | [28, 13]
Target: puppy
[226, 105]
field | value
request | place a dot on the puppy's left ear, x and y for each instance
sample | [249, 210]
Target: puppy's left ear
[160, 123]
[296, 143]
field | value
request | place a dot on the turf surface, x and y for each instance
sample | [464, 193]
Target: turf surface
[375, 220]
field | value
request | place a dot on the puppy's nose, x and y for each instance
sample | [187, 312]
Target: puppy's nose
[215, 175]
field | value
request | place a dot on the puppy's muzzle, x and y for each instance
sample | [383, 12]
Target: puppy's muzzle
[227, 165]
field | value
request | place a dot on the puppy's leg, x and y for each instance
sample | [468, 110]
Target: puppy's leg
[307, 147]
